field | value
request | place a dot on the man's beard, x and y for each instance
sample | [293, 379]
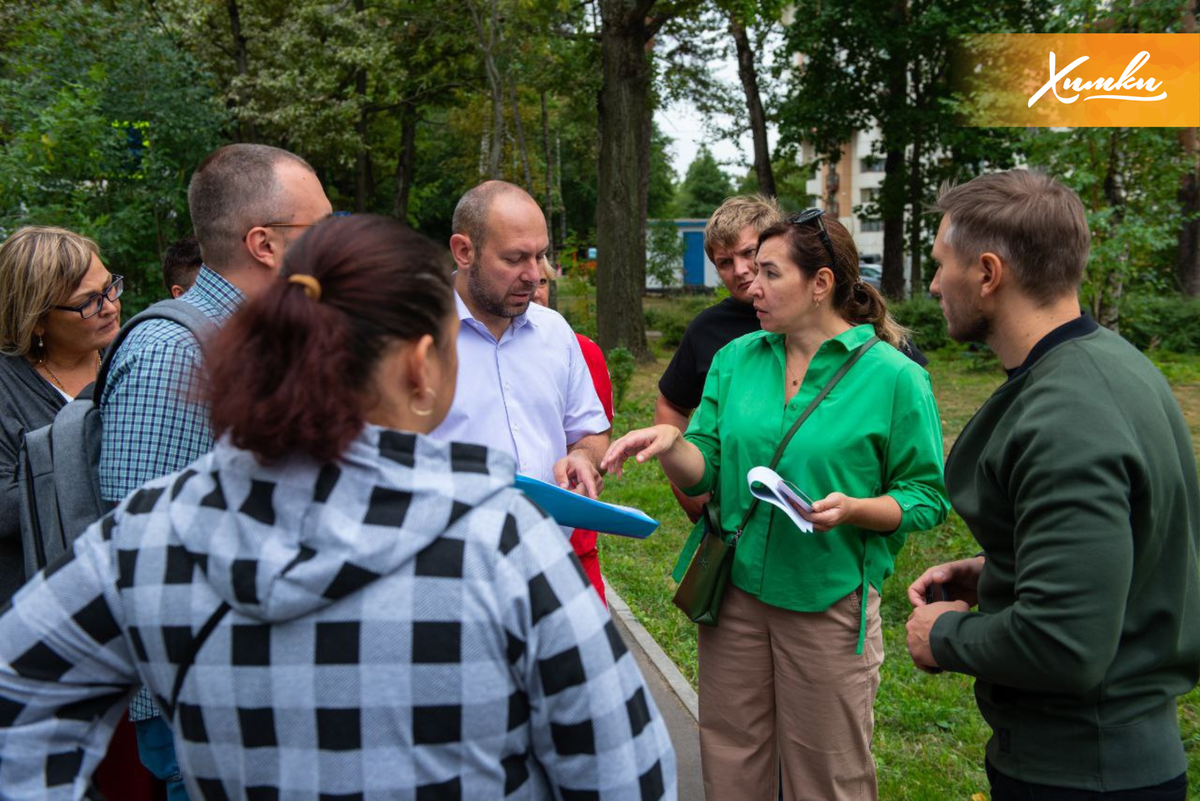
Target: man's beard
[978, 330]
[488, 302]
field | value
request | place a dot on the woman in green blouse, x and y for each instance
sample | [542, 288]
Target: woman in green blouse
[788, 678]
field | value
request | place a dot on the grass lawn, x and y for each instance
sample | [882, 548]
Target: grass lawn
[929, 736]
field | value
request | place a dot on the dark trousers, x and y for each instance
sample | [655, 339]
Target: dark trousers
[1006, 788]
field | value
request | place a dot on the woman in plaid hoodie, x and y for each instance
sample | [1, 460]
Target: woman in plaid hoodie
[330, 604]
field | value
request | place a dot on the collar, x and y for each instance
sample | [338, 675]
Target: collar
[464, 315]
[1080, 326]
[214, 288]
[846, 341]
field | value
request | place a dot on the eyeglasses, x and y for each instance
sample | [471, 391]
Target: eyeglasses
[814, 215]
[297, 225]
[92, 306]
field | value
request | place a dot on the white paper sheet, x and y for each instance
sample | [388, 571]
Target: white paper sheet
[767, 485]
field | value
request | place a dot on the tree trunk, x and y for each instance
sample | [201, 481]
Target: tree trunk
[1187, 260]
[891, 209]
[551, 254]
[754, 106]
[562, 201]
[516, 112]
[246, 128]
[892, 194]
[620, 219]
[486, 41]
[405, 164]
[916, 281]
[1108, 296]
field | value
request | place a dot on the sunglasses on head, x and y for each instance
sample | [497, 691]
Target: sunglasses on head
[814, 216]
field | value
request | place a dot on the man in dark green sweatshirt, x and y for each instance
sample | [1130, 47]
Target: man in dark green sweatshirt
[1078, 479]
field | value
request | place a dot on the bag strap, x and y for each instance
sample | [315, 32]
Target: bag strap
[859, 352]
[194, 649]
[175, 310]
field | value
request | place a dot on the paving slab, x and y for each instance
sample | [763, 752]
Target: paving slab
[674, 696]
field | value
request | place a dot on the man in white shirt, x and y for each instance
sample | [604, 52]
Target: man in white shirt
[523, 386]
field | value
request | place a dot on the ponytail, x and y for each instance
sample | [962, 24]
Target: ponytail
[865, 304]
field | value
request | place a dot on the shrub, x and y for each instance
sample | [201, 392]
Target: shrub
[1170, 322]
[672, 319]
[621, 365]
[924, 318]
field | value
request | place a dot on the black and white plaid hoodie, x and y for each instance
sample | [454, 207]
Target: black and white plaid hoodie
[401, 625]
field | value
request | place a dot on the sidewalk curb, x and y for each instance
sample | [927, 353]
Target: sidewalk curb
[666, 668]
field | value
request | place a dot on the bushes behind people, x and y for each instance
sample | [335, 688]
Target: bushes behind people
[1169, 322]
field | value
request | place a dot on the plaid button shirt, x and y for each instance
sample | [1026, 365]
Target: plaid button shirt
[401, 624]
[151, 428]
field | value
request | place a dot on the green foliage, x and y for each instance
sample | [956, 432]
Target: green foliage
[704, 187]
[1127, 179]
[664, 254]
[1170, 322]
[621, 365]
[924, 318]
[660, 198]
[98, 147]
[672, 317]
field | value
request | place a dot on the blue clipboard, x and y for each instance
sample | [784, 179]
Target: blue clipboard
[575, 511]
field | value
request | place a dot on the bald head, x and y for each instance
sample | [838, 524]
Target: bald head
[471, 213]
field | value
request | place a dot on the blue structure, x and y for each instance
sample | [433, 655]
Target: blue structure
[697, 271]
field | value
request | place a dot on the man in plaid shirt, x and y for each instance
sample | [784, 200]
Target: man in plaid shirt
[248, 203]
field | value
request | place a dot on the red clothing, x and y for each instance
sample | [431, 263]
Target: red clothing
[582, 540]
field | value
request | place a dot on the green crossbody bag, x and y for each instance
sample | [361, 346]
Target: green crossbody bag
[703, 586]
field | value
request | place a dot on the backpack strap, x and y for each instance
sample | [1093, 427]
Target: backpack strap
[175, 310]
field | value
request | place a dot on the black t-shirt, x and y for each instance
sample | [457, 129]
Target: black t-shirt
[683, 381]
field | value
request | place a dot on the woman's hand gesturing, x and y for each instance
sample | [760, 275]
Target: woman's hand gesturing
[645, 443]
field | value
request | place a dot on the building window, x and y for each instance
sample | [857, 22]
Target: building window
[870, 164]
[869, 196]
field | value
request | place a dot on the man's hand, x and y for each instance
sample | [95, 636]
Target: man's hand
[959, 579]
[576, 472]
[919, 625]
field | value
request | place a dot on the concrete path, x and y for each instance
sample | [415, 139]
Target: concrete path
[675, 698]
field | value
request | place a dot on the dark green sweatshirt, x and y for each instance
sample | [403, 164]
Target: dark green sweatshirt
[1078, 479]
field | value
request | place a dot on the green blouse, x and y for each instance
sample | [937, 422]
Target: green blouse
[878, 432]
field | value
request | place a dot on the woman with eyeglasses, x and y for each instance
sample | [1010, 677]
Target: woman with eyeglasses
[59, 307]
[788, 676]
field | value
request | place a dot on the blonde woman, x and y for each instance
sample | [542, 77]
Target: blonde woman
[59, 307]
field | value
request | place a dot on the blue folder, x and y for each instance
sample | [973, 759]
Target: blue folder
[576, 511]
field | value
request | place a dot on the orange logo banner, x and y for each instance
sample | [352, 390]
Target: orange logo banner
[1080, 80]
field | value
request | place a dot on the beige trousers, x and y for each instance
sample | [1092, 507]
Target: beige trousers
[785, 689]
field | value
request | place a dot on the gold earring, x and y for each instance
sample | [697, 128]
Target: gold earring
[421, 412]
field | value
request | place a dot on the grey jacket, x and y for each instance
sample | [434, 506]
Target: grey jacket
[26, 402]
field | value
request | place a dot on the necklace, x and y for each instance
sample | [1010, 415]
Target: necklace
[42, 364]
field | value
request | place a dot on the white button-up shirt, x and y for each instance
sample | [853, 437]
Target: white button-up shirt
[529, 394]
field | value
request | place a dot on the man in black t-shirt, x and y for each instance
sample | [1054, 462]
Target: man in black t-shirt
[731, 242]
